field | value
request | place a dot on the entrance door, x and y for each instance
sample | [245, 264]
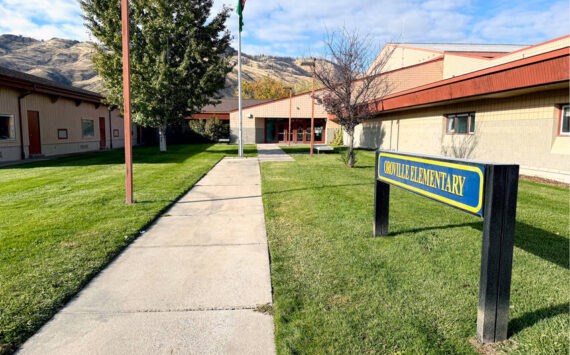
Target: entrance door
[282, 132]
[34, 132]
[271, 132]
[102, 138]
[298, 128]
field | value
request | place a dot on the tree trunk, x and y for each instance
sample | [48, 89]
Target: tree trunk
[350, 161]
[162, 138]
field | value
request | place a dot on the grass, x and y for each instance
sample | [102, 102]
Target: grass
[339, 290]
[305, 149]
[64, 220]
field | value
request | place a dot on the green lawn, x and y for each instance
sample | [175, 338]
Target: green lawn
[339, 290]
[305, 149]
[64, 220]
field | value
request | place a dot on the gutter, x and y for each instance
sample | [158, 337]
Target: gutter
[22, 151]
[110, 128]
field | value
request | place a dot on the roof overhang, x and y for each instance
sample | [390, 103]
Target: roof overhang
[26, 85]
[540, 72]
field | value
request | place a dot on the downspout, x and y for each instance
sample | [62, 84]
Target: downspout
[110, 128]
[22, 152]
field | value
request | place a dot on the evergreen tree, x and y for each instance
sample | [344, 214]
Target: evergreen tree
[179, 57]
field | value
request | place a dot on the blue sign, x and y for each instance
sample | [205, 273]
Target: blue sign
[448, 181]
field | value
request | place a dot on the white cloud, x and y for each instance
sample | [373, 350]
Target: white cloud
[528, 26]
[297, 27]
[42, 19]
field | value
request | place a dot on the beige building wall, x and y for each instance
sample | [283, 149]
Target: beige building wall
[254, 127]
[414, 77]
[397, 57]
[456, 65]
[60, 114]
[521, 130]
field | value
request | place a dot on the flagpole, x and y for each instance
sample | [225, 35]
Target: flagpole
[240, 149]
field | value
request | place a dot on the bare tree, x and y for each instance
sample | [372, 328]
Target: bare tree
[351, 75]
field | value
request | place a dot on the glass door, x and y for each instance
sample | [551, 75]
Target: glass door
[282, 132]
[298, 132]
[271, 132]
[308, 133]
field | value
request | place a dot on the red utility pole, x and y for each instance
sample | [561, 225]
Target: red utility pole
[290, 110]
[127, 103]
[313, 109]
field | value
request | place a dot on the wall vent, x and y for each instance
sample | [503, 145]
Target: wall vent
[83, 146]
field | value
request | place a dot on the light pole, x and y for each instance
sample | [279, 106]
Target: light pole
[127, 104]
[290, 108]
[313, 65]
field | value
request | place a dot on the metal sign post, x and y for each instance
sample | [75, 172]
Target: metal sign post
[483, 189]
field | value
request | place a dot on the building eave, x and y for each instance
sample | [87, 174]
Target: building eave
[542, 69]
[40, 88]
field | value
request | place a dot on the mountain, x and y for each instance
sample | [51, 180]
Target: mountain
[68, 62]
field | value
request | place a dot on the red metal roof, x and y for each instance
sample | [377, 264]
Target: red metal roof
[541, 69]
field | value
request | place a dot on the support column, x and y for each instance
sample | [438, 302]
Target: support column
[381, 205]
[497, 252]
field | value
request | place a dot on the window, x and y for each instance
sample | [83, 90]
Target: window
[88, 128]
[7, 127]
[565, 120]
[460, 123]
[62, 133]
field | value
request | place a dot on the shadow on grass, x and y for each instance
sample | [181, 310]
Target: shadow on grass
[141, 155]
[530, 318]
[544, 244]
[314, 188]
[539, 242]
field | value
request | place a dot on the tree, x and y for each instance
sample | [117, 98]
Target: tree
[179, 57]
[352, 80]
[266, 88]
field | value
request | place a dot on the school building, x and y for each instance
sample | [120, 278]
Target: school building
[39, 117]
[488, 102]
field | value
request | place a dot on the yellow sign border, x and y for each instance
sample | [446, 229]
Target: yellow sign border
[430, 194]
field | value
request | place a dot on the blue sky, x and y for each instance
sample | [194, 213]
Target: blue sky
[297, 27]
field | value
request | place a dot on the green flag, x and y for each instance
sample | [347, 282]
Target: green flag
[240, 6]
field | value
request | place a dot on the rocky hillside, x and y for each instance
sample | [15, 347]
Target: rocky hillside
[68, 62]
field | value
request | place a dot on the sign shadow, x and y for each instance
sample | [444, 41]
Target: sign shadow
[539, 242]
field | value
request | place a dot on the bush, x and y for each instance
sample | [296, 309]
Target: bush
[337, 138]
[210, 129]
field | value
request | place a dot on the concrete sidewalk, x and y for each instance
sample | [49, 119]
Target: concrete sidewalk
[272, 152]
[190, 284]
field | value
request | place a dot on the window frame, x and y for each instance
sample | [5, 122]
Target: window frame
[83, 131]
[11, 127]
[61, 130]
[561, 110]
[454, 116]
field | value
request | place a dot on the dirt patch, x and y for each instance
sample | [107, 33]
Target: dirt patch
[544, 181]
[492, 348]
[264, 308]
